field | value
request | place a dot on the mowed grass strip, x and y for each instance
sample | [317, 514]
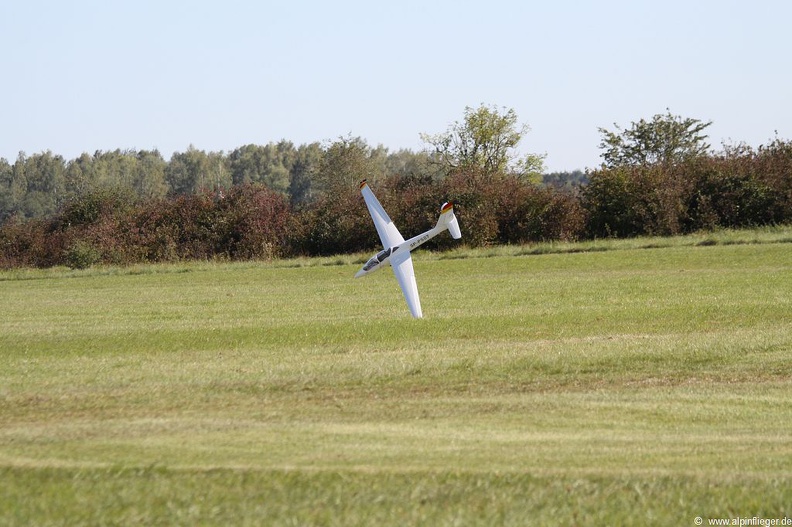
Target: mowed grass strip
[625, 386]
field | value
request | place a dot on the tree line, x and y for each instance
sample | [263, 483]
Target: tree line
[658, 176]
[41, 184]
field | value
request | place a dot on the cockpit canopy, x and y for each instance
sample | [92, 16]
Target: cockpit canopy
[377, 259]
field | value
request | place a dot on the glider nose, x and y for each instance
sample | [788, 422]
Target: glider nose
[360, 273]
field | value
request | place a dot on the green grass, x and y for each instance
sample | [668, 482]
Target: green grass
[645, 381]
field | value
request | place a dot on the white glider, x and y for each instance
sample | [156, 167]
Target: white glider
[396, 251]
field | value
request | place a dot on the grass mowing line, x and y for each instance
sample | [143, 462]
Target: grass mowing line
[570, 446]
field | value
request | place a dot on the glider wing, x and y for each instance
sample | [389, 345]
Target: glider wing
[387, 231]
[403, 269]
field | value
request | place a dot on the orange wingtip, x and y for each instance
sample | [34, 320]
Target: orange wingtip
[446, 207]
[363, 183]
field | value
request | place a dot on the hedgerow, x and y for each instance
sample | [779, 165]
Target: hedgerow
[738, 188]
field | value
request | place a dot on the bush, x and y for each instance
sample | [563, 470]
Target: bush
[334, 224]
[82, 255]
[31, 243]
[252, 221]
[634, 201]
[90, 208]
[773, 167]
[734, 190]
[181, 228]
[728, 193]
[476, 199]
[413, 202]
[609, 202]
[528, 213]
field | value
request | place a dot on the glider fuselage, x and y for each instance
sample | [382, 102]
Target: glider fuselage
[382, 258]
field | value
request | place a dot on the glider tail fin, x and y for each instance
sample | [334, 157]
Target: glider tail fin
[448, 220]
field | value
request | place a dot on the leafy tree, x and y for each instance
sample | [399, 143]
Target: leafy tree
[219, 172]
[37, 184]
[406, 163]
[149, 181]
[347, 161]
[6, 196]
[80, 175]
[485, 142]
[269, 164]
[114, 168]
[17, 185]
[303, 171]
[184, 171]
[141, 172]
[194, 170]
[575, 178]
[666, 139]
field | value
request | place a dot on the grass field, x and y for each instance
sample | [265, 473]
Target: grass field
[610, 383]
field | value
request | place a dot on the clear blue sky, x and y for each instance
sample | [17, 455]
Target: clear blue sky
[80, 76]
